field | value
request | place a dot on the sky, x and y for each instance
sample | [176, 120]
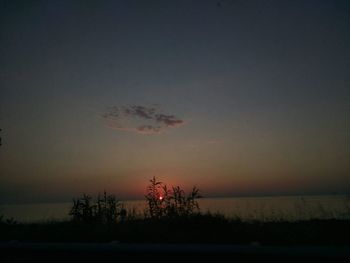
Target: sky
[240, 98]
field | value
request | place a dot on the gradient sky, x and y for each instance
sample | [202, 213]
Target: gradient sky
[243, 97]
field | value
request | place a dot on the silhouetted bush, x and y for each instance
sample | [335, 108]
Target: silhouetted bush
[105, 209]
[7, 221]
[163, 202]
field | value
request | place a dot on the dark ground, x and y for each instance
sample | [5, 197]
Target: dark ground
[98, 252]
[197, 238]
[199, 229]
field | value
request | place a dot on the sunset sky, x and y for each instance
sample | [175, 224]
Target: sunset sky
[236, 97]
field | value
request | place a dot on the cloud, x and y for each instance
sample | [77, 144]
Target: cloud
[149, 129]
[140, 119]
[169, 120]
[140, 111]
[112, 112]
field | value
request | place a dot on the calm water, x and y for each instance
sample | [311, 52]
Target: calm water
[247, 208]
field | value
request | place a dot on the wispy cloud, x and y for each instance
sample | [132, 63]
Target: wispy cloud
[169, 120]
[149, 129]
[140, 119]
[140, 111]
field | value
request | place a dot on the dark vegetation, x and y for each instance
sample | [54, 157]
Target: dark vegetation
[105, 209]
[171, 217]
[170, 203]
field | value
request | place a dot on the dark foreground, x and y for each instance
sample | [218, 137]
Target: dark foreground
[198, 229]
[97, 252]
[196, 238]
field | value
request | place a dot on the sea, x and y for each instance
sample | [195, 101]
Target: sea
[277, 208]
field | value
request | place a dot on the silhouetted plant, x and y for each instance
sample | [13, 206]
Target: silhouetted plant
[11, 221]
[163, 202]
[154, 198]
[7, 221]
[105, 209]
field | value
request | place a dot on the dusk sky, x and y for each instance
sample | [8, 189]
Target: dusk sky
[236, 97]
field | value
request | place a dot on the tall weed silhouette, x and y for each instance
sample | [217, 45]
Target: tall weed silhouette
[164, 202]
[106, 209]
